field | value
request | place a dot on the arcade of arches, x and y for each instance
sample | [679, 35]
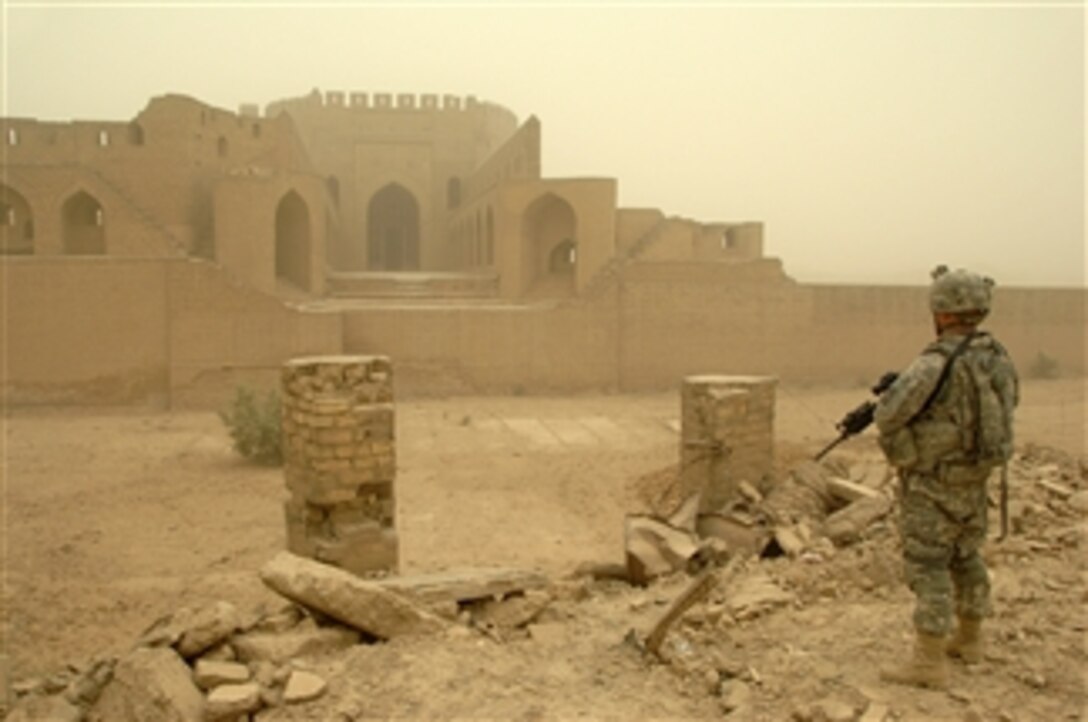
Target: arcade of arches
[16, 223]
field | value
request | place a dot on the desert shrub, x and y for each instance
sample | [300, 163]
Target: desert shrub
[254, 425]
[1043, 367]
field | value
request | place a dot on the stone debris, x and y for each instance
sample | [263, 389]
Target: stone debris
[150, 684]
[849, 523]
[229, 701]
[305, 640]
[756, 594]
[208, 674]
[875, 712]
[654, 547]
[208, 626]
[512, 612]
[360, 604]
[37, 708]
[303, 686]
[849, 491]
[464, 585]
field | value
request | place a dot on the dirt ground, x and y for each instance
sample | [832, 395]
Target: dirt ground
[113, 518]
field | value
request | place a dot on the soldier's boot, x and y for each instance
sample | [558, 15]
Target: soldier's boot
[967, 642]
[928, 667]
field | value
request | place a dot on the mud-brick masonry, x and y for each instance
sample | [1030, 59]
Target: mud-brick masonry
[340, 461]
[726, 437]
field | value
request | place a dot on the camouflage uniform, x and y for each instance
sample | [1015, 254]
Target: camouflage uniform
[942, 487]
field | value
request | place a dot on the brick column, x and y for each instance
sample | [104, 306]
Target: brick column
[727, 435]
[340, 462]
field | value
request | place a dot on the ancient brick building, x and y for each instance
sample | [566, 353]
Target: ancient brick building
[175, 255]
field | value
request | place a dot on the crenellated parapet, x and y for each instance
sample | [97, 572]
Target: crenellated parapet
[381, 101]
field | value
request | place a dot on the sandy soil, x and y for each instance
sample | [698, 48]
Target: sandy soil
[113, 518]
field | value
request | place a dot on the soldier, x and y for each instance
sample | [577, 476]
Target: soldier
[944, 425]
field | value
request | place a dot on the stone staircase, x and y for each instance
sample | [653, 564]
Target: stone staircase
[423, 286]
[609, 272]
[165, 236]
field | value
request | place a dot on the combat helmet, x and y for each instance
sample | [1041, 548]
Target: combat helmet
[959, 291]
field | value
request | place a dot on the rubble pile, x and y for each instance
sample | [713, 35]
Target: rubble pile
[216, 662]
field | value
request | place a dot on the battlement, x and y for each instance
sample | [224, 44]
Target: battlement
[381, 101]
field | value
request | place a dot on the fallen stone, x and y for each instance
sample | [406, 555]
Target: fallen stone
[875, 712]
[1079, 501]
[150, 684]
[464, 585]
[684, 515]
[756, 594]
[736, 534]
[513, 612]
[734, 695]
[306, 640]
[789, 541]
[1059, 490]
[847, 524]
[229, 701]
[86, 688]
[45, 709]
[653, 548]
[366, 606]
[832, 710]
[208, 626]
[302, 687]
[749, 492]
[209, 674]
[849, 491]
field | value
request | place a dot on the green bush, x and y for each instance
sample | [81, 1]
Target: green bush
[254, 426]
[1043, 367]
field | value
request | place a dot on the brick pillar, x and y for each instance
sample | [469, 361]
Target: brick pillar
[727, 435]
[340, 462]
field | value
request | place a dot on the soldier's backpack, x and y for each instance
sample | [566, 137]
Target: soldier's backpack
[985, 402]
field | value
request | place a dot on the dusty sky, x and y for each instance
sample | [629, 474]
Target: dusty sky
[874, 140]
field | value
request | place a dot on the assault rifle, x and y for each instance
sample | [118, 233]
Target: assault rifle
[860, 418]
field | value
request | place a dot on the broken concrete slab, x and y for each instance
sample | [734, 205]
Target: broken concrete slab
[464, 585]
[150, 684]
[364, 605]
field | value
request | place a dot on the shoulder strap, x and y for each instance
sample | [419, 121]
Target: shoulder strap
[945, 371]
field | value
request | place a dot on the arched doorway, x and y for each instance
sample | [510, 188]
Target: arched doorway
[548, 230]
[16, 223]
[84, 224]
[293, 241]
[392, 230]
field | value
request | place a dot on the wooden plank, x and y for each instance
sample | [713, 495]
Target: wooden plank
[460, 585]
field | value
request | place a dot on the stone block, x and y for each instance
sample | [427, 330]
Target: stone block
[362, 605]
[305, 640]
[302, 687]
[230, 701]
[150, 684]
[208, 674]
[207, 627]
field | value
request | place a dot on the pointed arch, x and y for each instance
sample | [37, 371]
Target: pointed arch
[549, 228]
[16, 222]
[392, 229]
[84, 225]
[293, 240]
